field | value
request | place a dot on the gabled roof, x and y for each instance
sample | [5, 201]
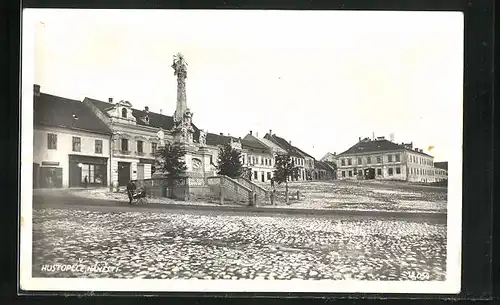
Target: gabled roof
[368, 146]
[328, 154]
[51, 110]
[265, 142]
[283, 144]
[441, 165]
[304, 153]
[156, 120]
[322, 165]
[217, 139]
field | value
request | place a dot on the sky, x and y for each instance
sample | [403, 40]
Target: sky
[320, 79]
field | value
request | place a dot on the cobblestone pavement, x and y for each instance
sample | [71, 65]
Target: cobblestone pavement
[361, 195]
[181, 246]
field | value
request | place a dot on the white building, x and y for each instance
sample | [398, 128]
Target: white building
[70, 144]
[383, 159]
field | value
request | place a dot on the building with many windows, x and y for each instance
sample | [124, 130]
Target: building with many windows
[441, 171]
[137, 135]
[70, 144]
[382, 159]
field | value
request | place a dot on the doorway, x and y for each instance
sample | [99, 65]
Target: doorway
[140, 171]
[123, 173]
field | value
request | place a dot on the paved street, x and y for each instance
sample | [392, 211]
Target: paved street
[137, 242]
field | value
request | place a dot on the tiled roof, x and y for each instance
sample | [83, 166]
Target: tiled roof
[304, 153]
[269, 145]
[377, 146]
[155, 119]
[322, 165]
[58, 111]
[217, 139]
[441, 165]
[283, 144]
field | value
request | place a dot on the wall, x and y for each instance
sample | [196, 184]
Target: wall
[41, 152]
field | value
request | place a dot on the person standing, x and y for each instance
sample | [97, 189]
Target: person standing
[85, 181]
[130, 190]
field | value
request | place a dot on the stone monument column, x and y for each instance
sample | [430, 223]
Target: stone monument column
[183, 130]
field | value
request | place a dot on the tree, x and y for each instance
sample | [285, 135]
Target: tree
[169, 161]
[284, 168]
[229, 162]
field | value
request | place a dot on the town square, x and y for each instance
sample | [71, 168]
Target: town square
[199, 156]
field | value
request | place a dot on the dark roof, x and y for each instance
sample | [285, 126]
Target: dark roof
[58, 111]
[441, 165]
[304, 153]
[155, 119]
[376, 146]
[253, 143]
[322, 165]
[283, 144]
[217, 139]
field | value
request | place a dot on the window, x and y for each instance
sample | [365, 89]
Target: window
[349, 161]
[379, 159]
[242, 159]
[398, 158]
[350, 173]
[268, 176]
[95, 173]
[154, 147]
[359, 161]
[124, 112]
[255, 175]
[77, 144]
[211, 159]
[342, 162]
[140, 147]
[343, 173]
[390, 171]
[51, 141]
[389, 158]
[379, 171]
[398, 170]
[368, 160]
[98, 146]
[124, 145]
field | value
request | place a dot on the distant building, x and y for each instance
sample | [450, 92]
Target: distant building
[70, 144]
[383, 159]
[299, 159]
[330, 157]
[441, 171]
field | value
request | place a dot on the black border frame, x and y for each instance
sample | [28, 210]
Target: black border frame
[478, 135]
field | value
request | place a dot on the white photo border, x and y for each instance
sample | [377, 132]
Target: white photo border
[452, 284]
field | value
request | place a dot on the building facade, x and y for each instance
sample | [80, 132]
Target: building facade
[383, 159]
[70, 146]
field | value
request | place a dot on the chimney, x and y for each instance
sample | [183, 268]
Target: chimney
[290, 142]
[421, 150]
[270, 132]
[250, 132]
[416, 149]
[359, 139]
[334, 153]
[146, 108]
[36, 90]
[221, 134]
[110, 100]
[161, 111]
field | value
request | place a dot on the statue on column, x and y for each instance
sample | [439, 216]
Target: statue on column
[203, 138]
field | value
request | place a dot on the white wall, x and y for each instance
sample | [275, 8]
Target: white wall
[41, 152]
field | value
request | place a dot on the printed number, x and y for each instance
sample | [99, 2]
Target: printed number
[417, 276]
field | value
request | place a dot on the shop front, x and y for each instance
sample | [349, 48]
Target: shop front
[92, 170]
[49, 175]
